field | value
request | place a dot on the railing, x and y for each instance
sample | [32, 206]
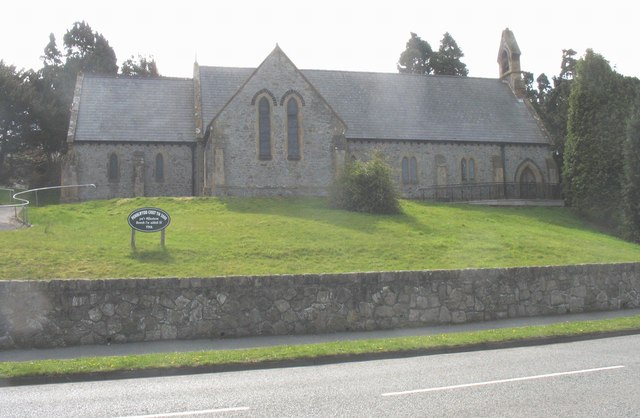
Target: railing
[23, 205]
[490, 191]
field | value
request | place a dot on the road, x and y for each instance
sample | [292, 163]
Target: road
[580, 379]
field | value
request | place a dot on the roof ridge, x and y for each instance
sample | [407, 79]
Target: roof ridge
[133, 77]
[404, 74]
[228, 68]
[362, 72]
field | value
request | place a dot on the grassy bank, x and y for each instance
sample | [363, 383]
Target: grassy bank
[326, 351]
[210, 237]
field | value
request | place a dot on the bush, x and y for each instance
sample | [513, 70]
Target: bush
[366, 187]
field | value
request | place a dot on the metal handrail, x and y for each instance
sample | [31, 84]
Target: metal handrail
[24, 202]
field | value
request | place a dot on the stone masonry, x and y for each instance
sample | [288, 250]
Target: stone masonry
[91, 161]
[434, 156]
[71, 312]
[233, 166]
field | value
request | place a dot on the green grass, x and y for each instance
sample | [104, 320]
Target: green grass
[337, 350]
[211, 237]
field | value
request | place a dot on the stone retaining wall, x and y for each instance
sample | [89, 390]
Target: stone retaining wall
[70, 312]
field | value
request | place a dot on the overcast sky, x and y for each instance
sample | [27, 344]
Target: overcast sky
[327, 34]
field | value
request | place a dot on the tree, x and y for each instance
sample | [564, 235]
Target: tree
[544, 86]
[552, 101]
[568, 65]
[52, 56]
[556, 104]
[51, 92]
[35, 105]
[142, 67]
[416, 58]
[447, 60]
[52, 88]
[88, 51]
[15, 116]
[631, 191]
[366, 187]
[599, 105]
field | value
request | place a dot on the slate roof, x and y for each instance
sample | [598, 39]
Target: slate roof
[432, 108]
[378, 106]
[402, 106]
[135, 109]
[217, 85]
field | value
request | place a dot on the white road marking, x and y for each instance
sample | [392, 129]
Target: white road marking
[190, 413]
[494, 382]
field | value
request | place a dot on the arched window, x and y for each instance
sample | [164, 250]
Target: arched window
[113, 170]
[413, 170]
[472, 169]
[405, 170]
[409, 170]
[159, 167]
[264, 129]
[504, 62]
[463, 169]
[293, 133]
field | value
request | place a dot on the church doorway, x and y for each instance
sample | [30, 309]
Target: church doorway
[529, 181]
[528, 185]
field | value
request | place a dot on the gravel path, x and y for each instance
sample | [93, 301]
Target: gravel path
[7, 219]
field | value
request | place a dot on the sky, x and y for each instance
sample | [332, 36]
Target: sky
[327, 34]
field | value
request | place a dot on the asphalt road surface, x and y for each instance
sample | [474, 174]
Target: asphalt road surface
[596, 378]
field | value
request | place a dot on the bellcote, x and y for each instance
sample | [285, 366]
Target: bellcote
[509, 63]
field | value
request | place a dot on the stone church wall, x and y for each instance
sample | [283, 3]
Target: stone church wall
[91, 162]
[438, 163]
[235, 136]
[540, 156]
[72, 312]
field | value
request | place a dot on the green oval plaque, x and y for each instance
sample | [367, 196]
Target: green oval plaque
[149, 219]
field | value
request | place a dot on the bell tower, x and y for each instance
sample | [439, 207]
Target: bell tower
[509, 63]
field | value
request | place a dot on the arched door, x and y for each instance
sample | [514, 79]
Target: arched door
[528, 185]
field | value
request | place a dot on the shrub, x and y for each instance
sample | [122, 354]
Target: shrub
[366, 187]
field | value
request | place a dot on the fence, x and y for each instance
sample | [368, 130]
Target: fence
[490, 191]
[40, 197]
[6, 196]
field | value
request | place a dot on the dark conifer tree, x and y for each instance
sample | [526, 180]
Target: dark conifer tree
[416, 58]
[593, 160]
[447, 60]
[631, 191]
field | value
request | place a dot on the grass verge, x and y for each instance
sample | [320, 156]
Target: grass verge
[262, 236]
[324, 351]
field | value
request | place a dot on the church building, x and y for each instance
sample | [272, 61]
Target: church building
[279, 130]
